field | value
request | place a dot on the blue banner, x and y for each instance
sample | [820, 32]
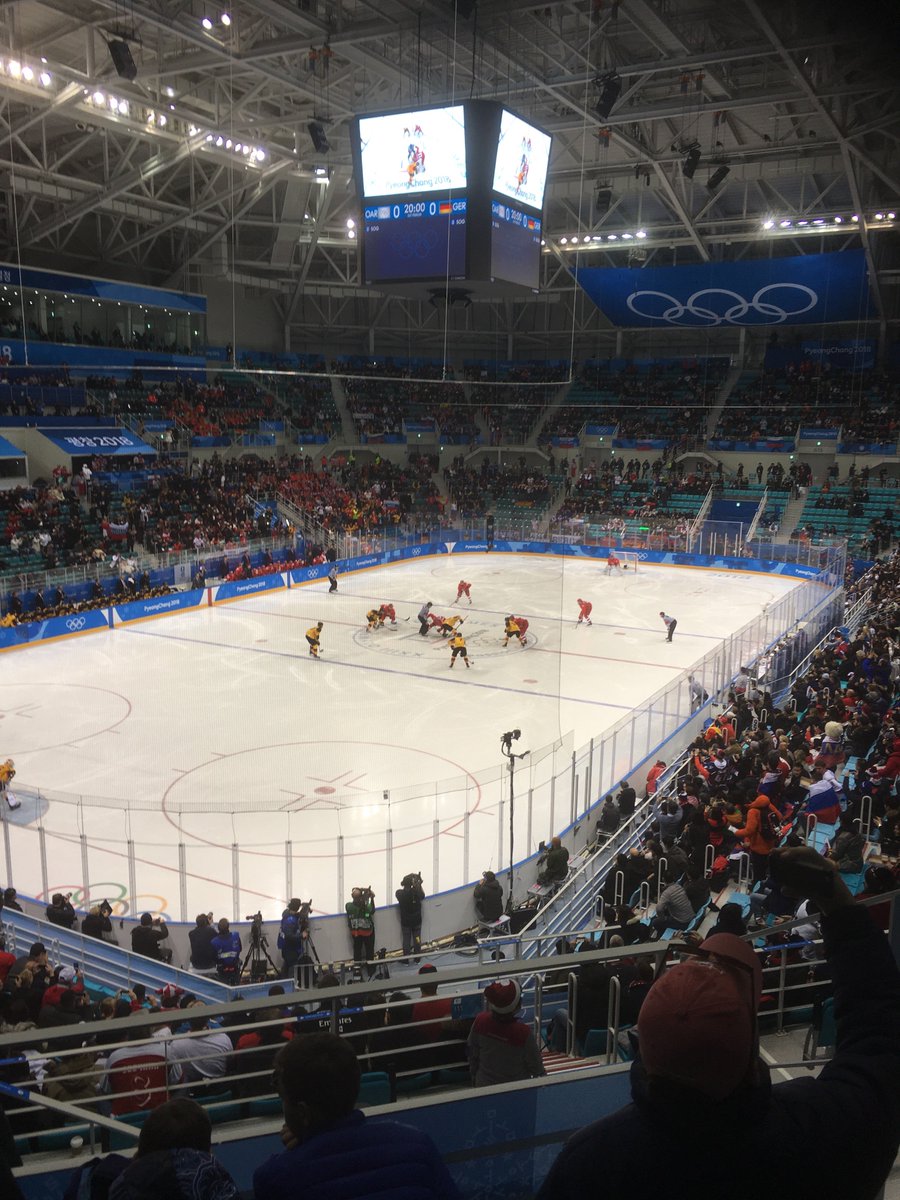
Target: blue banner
[105, 289]
[205, 443]
[111, 360]
[79, 442]
[888, 448]
[600, 430]
[779, 445]
[53, 627]
[236, 588]
[640, 443]
[8, 450]
[158, 606]
[252, 439]
[850, 354]
[565, 443]
[419, 426]
[271, 426]
[809, 434]
[803, 290]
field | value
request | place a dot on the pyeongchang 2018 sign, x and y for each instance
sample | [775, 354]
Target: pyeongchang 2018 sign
[803, 290]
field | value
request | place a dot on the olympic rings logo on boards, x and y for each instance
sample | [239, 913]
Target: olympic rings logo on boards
[772, 314]
[75, 623]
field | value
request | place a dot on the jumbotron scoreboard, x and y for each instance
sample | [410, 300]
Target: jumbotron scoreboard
[451, 194]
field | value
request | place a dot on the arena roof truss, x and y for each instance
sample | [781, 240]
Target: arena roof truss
[201, 167]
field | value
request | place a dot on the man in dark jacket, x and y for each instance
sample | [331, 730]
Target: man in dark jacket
[203, 954]
[60, 911]
[331, 1149]
[410, 895]
[555, 864]
[699, 1063]
[488, 897]
[146, 938]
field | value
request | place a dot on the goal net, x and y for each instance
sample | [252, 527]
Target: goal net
[627, 558]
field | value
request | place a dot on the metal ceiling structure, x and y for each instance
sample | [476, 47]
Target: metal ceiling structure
[201, 168]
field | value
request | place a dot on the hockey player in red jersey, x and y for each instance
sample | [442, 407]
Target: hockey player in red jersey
[462, 589]
[584, 612]
[435, 621]
[387, 613]
[613, 562]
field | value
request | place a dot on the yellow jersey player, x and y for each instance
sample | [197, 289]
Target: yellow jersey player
[458, 647]
[375, 619]
[312, 638]
[513, 629]
[449, 624]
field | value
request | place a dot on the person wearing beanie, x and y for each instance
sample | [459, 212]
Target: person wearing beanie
[698, 1067]
[501, 1048]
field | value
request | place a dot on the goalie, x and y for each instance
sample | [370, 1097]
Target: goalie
[613, 562]
[7, 775]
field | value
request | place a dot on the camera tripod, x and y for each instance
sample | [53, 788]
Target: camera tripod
[258, 956]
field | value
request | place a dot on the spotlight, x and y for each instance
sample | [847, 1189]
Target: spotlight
[45, 78]
[351, 224]
[15, 68]
[610, 90]
[879, 216]
[855, 219]
[718, 177]
[838, 220]
[98, 98]
[691, 161]
[207, 24]
[641, 233]
[785, 224]
[891, 215]
[564, 241]
[770, 224]
[225, 19]
[120, 54]
[27, 74]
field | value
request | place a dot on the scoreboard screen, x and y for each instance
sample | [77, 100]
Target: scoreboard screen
[450, 192]
[418, 151]
[523, 157]
[515, 245]
[414, 239]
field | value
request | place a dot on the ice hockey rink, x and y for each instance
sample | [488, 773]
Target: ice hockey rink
[209, 740]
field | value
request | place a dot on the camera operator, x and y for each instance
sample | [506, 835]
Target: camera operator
[96, 923]
[60, 911]
[227, 945]
[410, 895]
[293, 936]
[360, 912]
[146, 938]
[203, 956]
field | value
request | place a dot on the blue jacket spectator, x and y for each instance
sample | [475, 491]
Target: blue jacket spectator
[227, 946]
[332, 1150]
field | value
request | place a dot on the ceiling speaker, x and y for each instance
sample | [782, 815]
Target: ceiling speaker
[319, 138]
[120, 53]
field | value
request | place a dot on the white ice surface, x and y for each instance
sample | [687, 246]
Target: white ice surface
[215, 728]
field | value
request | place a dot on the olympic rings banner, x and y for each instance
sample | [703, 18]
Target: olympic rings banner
[803, 290]
[53, 627]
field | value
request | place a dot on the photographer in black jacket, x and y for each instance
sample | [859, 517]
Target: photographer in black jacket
[410, 895]
[60, 911]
